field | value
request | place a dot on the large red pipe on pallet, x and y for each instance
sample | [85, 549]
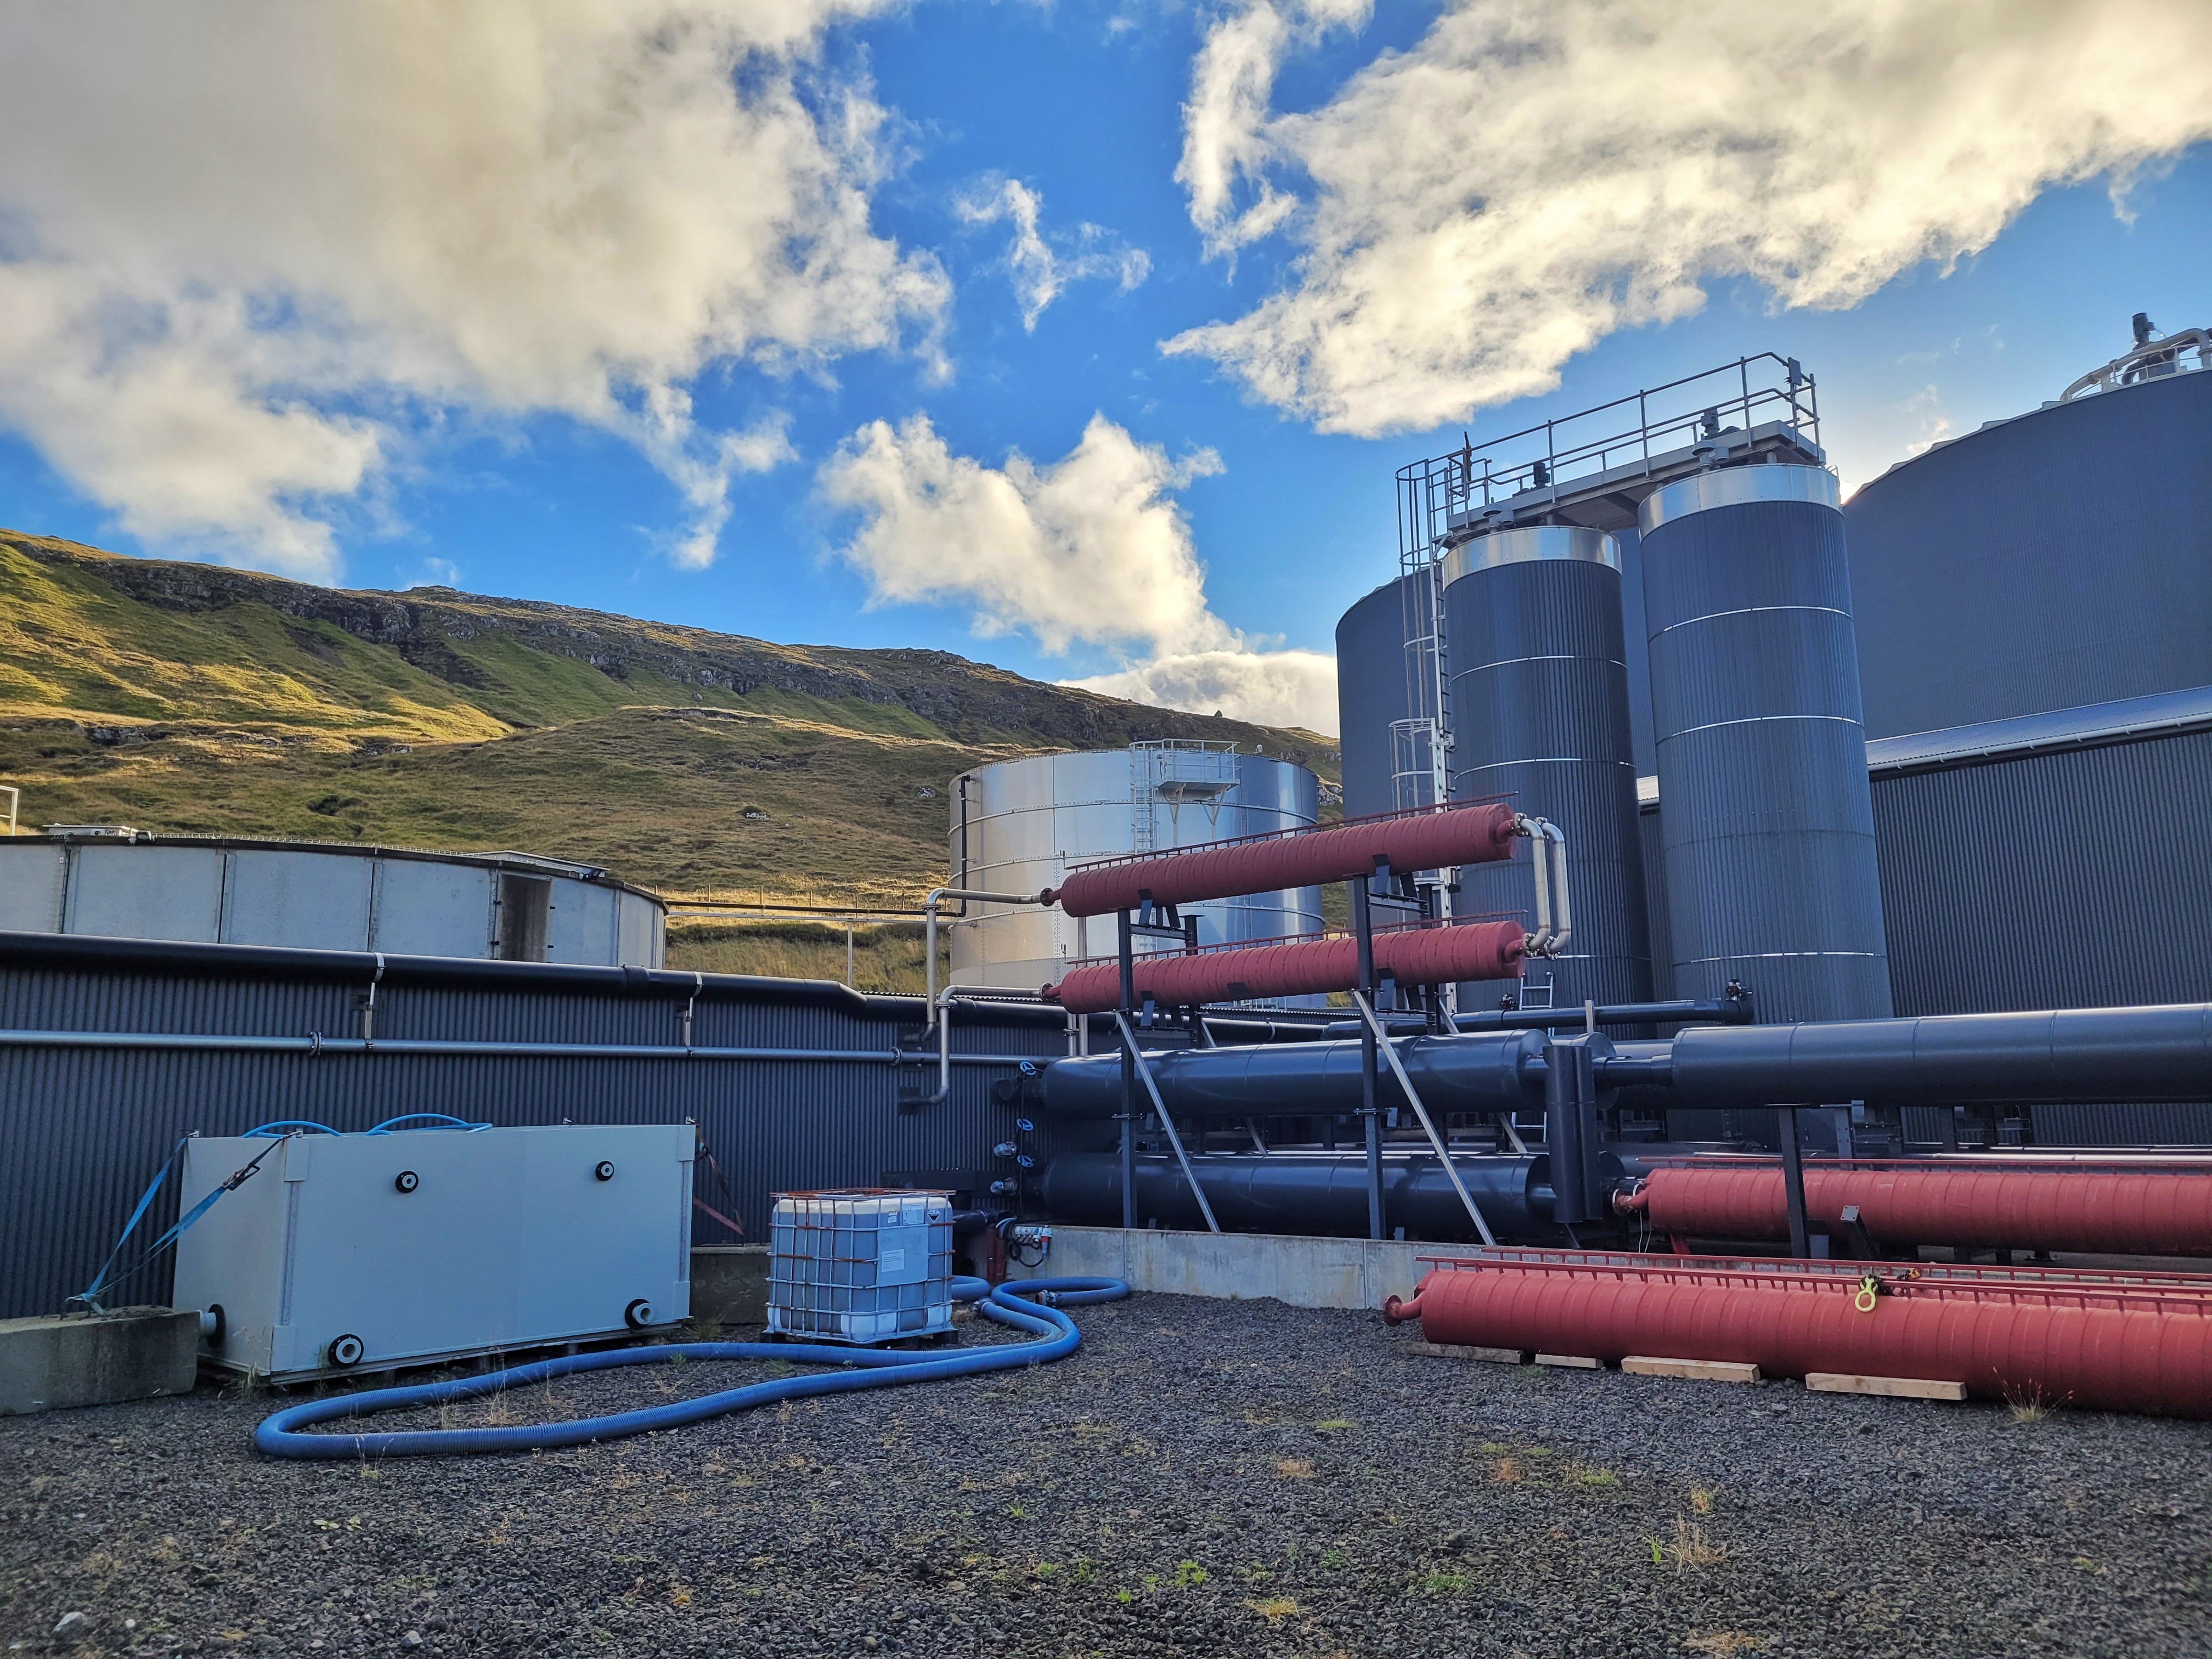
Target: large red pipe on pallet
[2110, 1351]
[1412, 956]
[2133, 1212]
[1310, 858]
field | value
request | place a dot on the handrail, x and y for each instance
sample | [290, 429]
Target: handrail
[1166, 1121]
[1443, 1153]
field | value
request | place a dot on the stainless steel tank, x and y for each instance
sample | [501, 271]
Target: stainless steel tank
[1018, 826]
[1766, 824]
[1539, 708]
[306, 896]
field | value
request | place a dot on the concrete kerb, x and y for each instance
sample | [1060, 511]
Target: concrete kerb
[1304, 1272]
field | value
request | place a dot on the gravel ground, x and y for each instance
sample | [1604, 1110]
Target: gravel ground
[1203, 1478]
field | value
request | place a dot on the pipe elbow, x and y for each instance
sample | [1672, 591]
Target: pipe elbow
[1631, 1203]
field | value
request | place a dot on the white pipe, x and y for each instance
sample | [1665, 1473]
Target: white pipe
[1559, 946]
[1535, 942]
[939, 1009]
[1443, 1153]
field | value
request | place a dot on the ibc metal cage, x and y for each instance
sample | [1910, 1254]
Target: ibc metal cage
[862, 1267]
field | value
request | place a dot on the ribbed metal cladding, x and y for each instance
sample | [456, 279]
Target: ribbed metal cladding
[83, 1131]
[1373, 689]
[2074, 542]
[1540, 713]
[1650, 843]
[1767, 833]
[2009, 874]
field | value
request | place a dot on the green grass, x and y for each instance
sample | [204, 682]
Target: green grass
[701, 765]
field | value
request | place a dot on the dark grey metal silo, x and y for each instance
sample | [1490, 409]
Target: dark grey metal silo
[1377, 690]
[1539, 710]
[1767, 831]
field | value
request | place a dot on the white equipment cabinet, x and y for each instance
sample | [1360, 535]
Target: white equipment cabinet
[360, 1252]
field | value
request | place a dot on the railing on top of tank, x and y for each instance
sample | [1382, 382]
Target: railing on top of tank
[1765, 388]
[2150, 360]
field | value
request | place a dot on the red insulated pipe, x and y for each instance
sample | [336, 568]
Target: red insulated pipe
[2123, 1211]
[1413, 956]
[2094, 1353]
[1311, 858]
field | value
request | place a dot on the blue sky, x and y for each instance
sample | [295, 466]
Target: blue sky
[394, 445]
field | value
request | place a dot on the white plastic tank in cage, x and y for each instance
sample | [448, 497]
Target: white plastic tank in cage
[863, 1265]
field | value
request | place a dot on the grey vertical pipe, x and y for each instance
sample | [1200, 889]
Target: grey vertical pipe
[1793, 1182]
[1363, 931]
[1540, 712]
[1766, 827]
[1128, 1078]
[1569, 1091]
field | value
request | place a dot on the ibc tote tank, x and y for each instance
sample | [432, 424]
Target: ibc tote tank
[1540, 712]
[1765, 826]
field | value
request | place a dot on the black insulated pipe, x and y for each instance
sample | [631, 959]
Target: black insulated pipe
[2064, 1056]
[1310, 1192]
[1453, 1074]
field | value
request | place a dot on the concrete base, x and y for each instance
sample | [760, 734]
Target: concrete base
[729, 1283]
[95, 1360]
[1306, 1272]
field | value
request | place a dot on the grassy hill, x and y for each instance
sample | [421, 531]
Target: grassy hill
[191, 699]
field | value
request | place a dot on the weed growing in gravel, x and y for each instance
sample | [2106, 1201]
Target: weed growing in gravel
[1188, 1575]
[1445, 1583]
[1585, 1474]
[1721, 1643]
[1505, 1471]
[1333, 1425]
[1294, 1468]
[1701, 1499]
[1276, 1608]
[2030, 1406]
[1334, 1559]
[1690, 1547]
[250, 1385]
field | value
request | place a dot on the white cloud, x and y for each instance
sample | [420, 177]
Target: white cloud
[1272, 688]
[1040, 270]
[1534, 174]
[256, 250]
[1092, 549]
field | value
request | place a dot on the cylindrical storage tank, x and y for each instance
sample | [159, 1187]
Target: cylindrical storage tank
[1539, 712]
[1377, 687]
[1018, 827]
[306, 896]
[1766, 827]
[2078, 537]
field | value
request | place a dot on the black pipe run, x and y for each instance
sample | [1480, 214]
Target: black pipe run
[1310, 1192]
[2070, 1056]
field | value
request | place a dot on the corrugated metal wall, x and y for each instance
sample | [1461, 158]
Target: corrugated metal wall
[2005, 885]
[81, 1131]
[2058, 559]
[2078, 878]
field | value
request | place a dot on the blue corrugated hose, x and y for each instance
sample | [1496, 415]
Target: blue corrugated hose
[1026, 1304]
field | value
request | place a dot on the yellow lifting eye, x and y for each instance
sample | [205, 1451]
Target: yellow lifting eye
[1868, 1292]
